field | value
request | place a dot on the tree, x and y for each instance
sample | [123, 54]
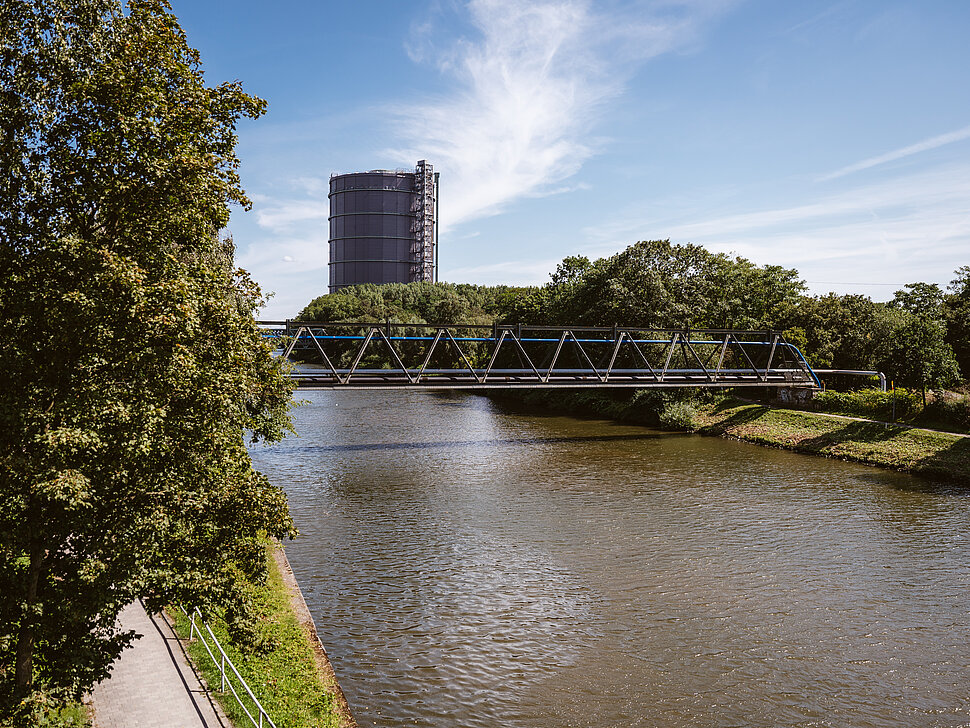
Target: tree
[923, 357]
[130, 363]
[957, 314]
[665, 285]
[846, 331]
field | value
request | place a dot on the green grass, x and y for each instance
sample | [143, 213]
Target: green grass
[949, 412]
[938, 455]
[76, 714]
[912, 450]
[286, 678]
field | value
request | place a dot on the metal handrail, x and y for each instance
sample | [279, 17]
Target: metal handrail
[224, 676]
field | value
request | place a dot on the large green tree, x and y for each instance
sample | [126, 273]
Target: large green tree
[922, 357]
[846, 331]
[957, 312]
[663, 284]
[130, 364]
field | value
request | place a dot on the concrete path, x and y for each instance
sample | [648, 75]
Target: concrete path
[151, 684]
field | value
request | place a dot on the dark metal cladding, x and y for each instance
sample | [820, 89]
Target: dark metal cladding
[382, 227]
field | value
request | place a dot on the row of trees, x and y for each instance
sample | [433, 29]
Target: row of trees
[130, 364]
[921, 337]
[445, 303]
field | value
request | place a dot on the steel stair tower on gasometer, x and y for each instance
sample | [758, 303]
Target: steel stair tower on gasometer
[423, 262]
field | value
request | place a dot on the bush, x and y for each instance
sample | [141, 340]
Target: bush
[681, 415]
[950, 410]
[870, 403]
[48, 709]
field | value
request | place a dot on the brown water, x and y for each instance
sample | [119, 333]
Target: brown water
[469, 565]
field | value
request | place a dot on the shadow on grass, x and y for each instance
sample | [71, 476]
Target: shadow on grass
[749, 414]
[862, 432]
[730, 403]
[952, 463]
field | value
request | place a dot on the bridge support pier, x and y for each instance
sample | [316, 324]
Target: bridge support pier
[799, 396]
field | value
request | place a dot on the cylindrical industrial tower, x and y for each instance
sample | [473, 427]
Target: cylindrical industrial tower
[382, 227]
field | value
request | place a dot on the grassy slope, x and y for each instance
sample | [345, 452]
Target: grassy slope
[286, 679]
[918, 451]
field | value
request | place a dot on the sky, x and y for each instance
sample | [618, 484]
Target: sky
[829, 137]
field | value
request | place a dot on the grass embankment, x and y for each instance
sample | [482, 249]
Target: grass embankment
[922, 452]
[948, 411]
[917, 451]
[292, 680]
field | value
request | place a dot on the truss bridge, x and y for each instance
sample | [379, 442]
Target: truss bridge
[430, 356]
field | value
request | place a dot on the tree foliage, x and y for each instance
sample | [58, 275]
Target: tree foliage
[660, 284]
[444, 303]
[922, 357]
[844, 331]
[130, 365]
[956, 311]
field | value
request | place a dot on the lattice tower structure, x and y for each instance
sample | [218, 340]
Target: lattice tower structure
[423, 247]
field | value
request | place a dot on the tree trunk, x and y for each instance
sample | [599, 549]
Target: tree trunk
[23, 676]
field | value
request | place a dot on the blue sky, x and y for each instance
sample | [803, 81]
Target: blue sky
[831, 137]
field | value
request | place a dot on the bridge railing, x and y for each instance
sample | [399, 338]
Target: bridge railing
[391, 354]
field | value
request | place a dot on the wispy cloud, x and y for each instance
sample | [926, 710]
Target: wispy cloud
[284, 214]
[528, 88]
[923, 146]
[513, 273]
[292, 268]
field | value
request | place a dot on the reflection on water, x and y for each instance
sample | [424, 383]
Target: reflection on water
[472, 566]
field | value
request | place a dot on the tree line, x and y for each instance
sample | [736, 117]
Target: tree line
[921, 337]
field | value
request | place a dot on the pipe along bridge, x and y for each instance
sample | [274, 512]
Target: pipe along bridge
[431, 356]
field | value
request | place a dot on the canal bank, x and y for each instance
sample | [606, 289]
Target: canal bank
[321, 660]
[277, 652]
[921, 452]
[472, 564]
[927, 453]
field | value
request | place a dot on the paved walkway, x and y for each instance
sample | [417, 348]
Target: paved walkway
[151, 684]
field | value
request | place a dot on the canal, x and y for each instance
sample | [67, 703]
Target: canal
[469, 565]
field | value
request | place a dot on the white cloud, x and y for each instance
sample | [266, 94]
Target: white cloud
[923, 146]
[510, 273]
[277, 260]
[282, 215]
[528, 86]
[528, 89]
[909, 228]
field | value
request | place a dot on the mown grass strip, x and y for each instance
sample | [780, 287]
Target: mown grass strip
[285, 678]
[918, 451]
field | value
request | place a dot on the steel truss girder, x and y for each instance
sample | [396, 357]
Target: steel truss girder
[394, 356]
